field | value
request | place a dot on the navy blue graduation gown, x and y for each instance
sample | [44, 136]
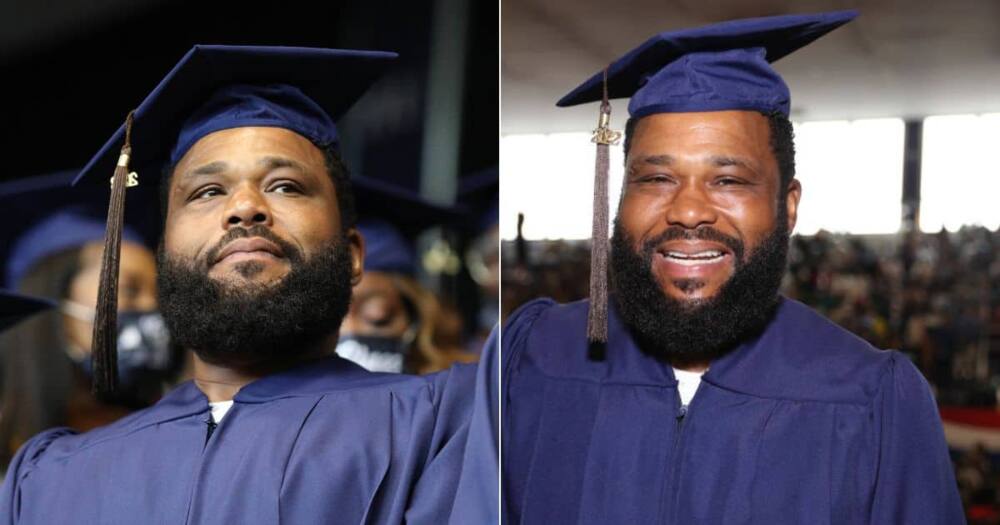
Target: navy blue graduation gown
[324, 443]
[807, 424]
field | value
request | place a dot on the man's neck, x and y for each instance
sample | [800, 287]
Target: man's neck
[221, 381]
[692, 366]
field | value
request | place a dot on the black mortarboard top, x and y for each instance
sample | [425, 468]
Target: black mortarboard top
[15, 308]
[212, 88]
[719, 67]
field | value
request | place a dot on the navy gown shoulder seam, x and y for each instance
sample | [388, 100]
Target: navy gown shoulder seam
[785, 399]
[120, 434]
[421, 383]
[511, 353]
[295, 444]
[760, 444]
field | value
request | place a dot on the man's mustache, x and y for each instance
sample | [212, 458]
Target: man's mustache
[290, 251]
[703, 233]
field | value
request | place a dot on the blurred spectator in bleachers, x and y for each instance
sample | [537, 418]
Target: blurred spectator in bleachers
[394, 323]
[51, 247]
[479, 240]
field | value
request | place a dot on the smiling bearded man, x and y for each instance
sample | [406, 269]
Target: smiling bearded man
[713, 399]
[258, 255]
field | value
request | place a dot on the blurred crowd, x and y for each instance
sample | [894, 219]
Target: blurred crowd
[933, 296]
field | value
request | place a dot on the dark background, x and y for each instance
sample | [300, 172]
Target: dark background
[71, 74]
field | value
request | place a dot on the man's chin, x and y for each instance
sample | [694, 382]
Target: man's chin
[249, 272]
[689, 294]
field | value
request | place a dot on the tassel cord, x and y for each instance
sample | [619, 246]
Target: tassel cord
[104, 348]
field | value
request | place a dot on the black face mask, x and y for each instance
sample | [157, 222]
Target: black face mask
[146, 358]
[377, 353]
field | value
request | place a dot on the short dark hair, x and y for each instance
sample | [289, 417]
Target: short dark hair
[335, 168]
[782, 145]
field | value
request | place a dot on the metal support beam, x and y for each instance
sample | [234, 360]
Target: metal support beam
[443, 124]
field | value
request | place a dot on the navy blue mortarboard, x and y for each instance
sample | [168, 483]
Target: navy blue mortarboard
[390, 218]
[44, 215]
[15, 307]
[213, 88]
[386, 250]
[719, 67]
[725, 66]
[478, 193]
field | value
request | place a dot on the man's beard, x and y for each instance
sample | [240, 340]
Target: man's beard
[241, 323]
[697, 330]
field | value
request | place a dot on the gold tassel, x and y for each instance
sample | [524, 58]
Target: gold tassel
[104, 348]
[597, 316]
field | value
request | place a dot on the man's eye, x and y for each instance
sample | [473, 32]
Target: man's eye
[286, 187]
[206, 193]
[655, 178]
[729, 181]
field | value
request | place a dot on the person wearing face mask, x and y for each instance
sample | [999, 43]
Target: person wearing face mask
[394, 324]
[46, 360]
[479, 233]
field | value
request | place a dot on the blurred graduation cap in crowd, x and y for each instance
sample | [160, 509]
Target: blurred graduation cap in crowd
[212, 88]
[390, 218]
[479, 197]
[44, 216]
[14, 308]
[719, 67]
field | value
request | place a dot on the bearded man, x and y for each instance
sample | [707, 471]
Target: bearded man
[714, 399]
[256, 263]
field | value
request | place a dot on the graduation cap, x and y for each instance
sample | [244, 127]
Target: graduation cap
[44, 215]
[15, 308]
[478, 193]
[390, 218]
[212, 88]
[719, 67]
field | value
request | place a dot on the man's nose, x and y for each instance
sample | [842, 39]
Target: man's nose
[691, 208]
[247, 207]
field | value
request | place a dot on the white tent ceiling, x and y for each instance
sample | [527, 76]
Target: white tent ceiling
[900, 58]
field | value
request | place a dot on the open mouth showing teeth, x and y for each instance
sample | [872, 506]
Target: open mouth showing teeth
[704, 257]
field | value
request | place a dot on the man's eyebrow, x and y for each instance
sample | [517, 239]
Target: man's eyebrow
[212, 168]
[656, 160]
[726, 160]
[273, 163]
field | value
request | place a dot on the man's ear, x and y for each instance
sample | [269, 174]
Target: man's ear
[792, 202]
[356, 245]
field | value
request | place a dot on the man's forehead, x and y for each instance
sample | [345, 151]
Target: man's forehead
[721, 138]
[731, 121]
[265, 162]
[262, 147]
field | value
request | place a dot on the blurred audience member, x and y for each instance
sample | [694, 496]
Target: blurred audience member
[46, 360]
[396, 324]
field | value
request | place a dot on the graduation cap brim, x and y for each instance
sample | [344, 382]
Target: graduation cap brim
[14, 308]
[333, 78]
[410, 214]
[478, 194]
[26, 203]
[778, 35]
[30, 199]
